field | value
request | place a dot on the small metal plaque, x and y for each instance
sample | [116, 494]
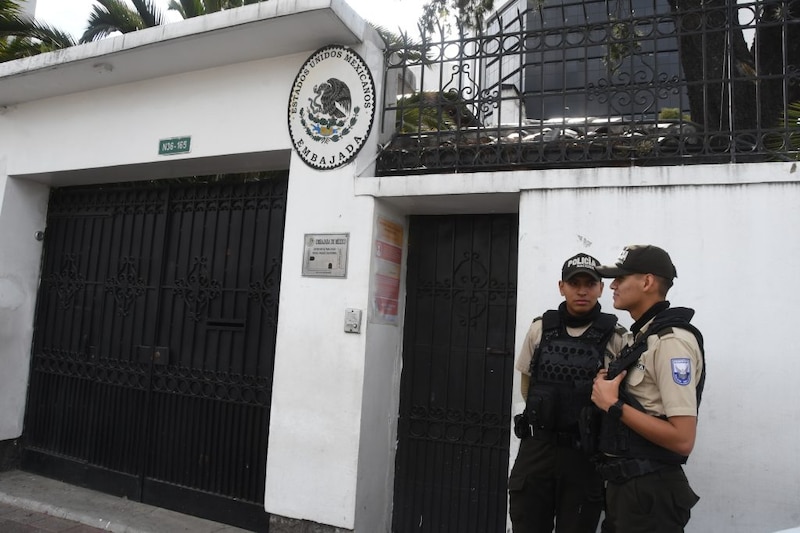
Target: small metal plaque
[175, 145]
[325, 255]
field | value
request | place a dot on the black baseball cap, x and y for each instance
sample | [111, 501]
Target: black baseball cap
[580, 264]
[640, 259]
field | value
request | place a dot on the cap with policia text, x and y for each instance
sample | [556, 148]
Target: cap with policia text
[580, 264]
[640, 259]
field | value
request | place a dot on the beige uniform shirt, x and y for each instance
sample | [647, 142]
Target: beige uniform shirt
[534, 337]
[664, 379]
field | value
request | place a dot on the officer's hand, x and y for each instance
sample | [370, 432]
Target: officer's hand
[605, 392]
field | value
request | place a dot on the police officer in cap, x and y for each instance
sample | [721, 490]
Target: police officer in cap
[553, 479]
[650, 395]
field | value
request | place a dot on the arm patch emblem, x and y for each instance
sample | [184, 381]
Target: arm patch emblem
[681, 370]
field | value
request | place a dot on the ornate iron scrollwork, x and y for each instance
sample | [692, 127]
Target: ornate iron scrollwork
[265, 292]
[126, 286]
[68, 281]
[198, 288]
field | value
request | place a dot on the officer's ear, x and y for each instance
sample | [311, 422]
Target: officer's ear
[651, 283]
[561, 286]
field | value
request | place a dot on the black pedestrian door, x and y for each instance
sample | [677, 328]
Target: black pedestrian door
[455, 393]
[153, 351]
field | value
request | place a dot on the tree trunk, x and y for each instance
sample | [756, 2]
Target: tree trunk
[717, 65]
[778, 40]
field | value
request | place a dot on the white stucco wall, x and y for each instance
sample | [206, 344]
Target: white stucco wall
[22, 213]
[121, 125]
[380, 409]
[316, 397]
[320, 379]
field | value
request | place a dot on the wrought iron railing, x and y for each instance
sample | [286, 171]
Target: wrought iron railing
[571, 83]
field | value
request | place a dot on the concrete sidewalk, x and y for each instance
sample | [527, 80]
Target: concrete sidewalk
[17, 520]
[36, 504]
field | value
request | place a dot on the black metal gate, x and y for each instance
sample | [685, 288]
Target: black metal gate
[153, 351]
[455, 393]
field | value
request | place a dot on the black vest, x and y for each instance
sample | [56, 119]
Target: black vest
[562, 371]
[615, 437]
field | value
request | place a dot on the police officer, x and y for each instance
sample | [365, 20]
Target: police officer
[553, 478]
[650, 395]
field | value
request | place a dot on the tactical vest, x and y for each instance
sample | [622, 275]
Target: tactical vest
[616, 438]
[562, 371]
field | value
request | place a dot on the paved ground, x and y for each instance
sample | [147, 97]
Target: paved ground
[35, 504]
[18, 520]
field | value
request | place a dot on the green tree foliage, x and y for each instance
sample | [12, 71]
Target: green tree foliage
[433, 111]
[787, 143]
[21, 36]
[468, 13]
[111, 16]
[196, 8]
[405, 48]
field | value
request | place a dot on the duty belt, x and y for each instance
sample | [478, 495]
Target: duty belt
[619, 470]
[559, 438]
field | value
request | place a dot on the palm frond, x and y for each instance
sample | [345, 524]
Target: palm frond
[12, 48]
[112, 16]
[407, 50]
[787, 143]
[187, 8]
[10, 8]
[50, 37]
[10, 25]
[149, 13]
[21, 36]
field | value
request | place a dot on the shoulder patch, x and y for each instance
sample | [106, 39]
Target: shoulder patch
[664, 332]
[681, 370]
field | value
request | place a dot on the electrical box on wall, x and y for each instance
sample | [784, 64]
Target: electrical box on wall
[352, 320]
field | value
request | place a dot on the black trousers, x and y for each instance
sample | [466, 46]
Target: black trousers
[659, 502]
[553, 484]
